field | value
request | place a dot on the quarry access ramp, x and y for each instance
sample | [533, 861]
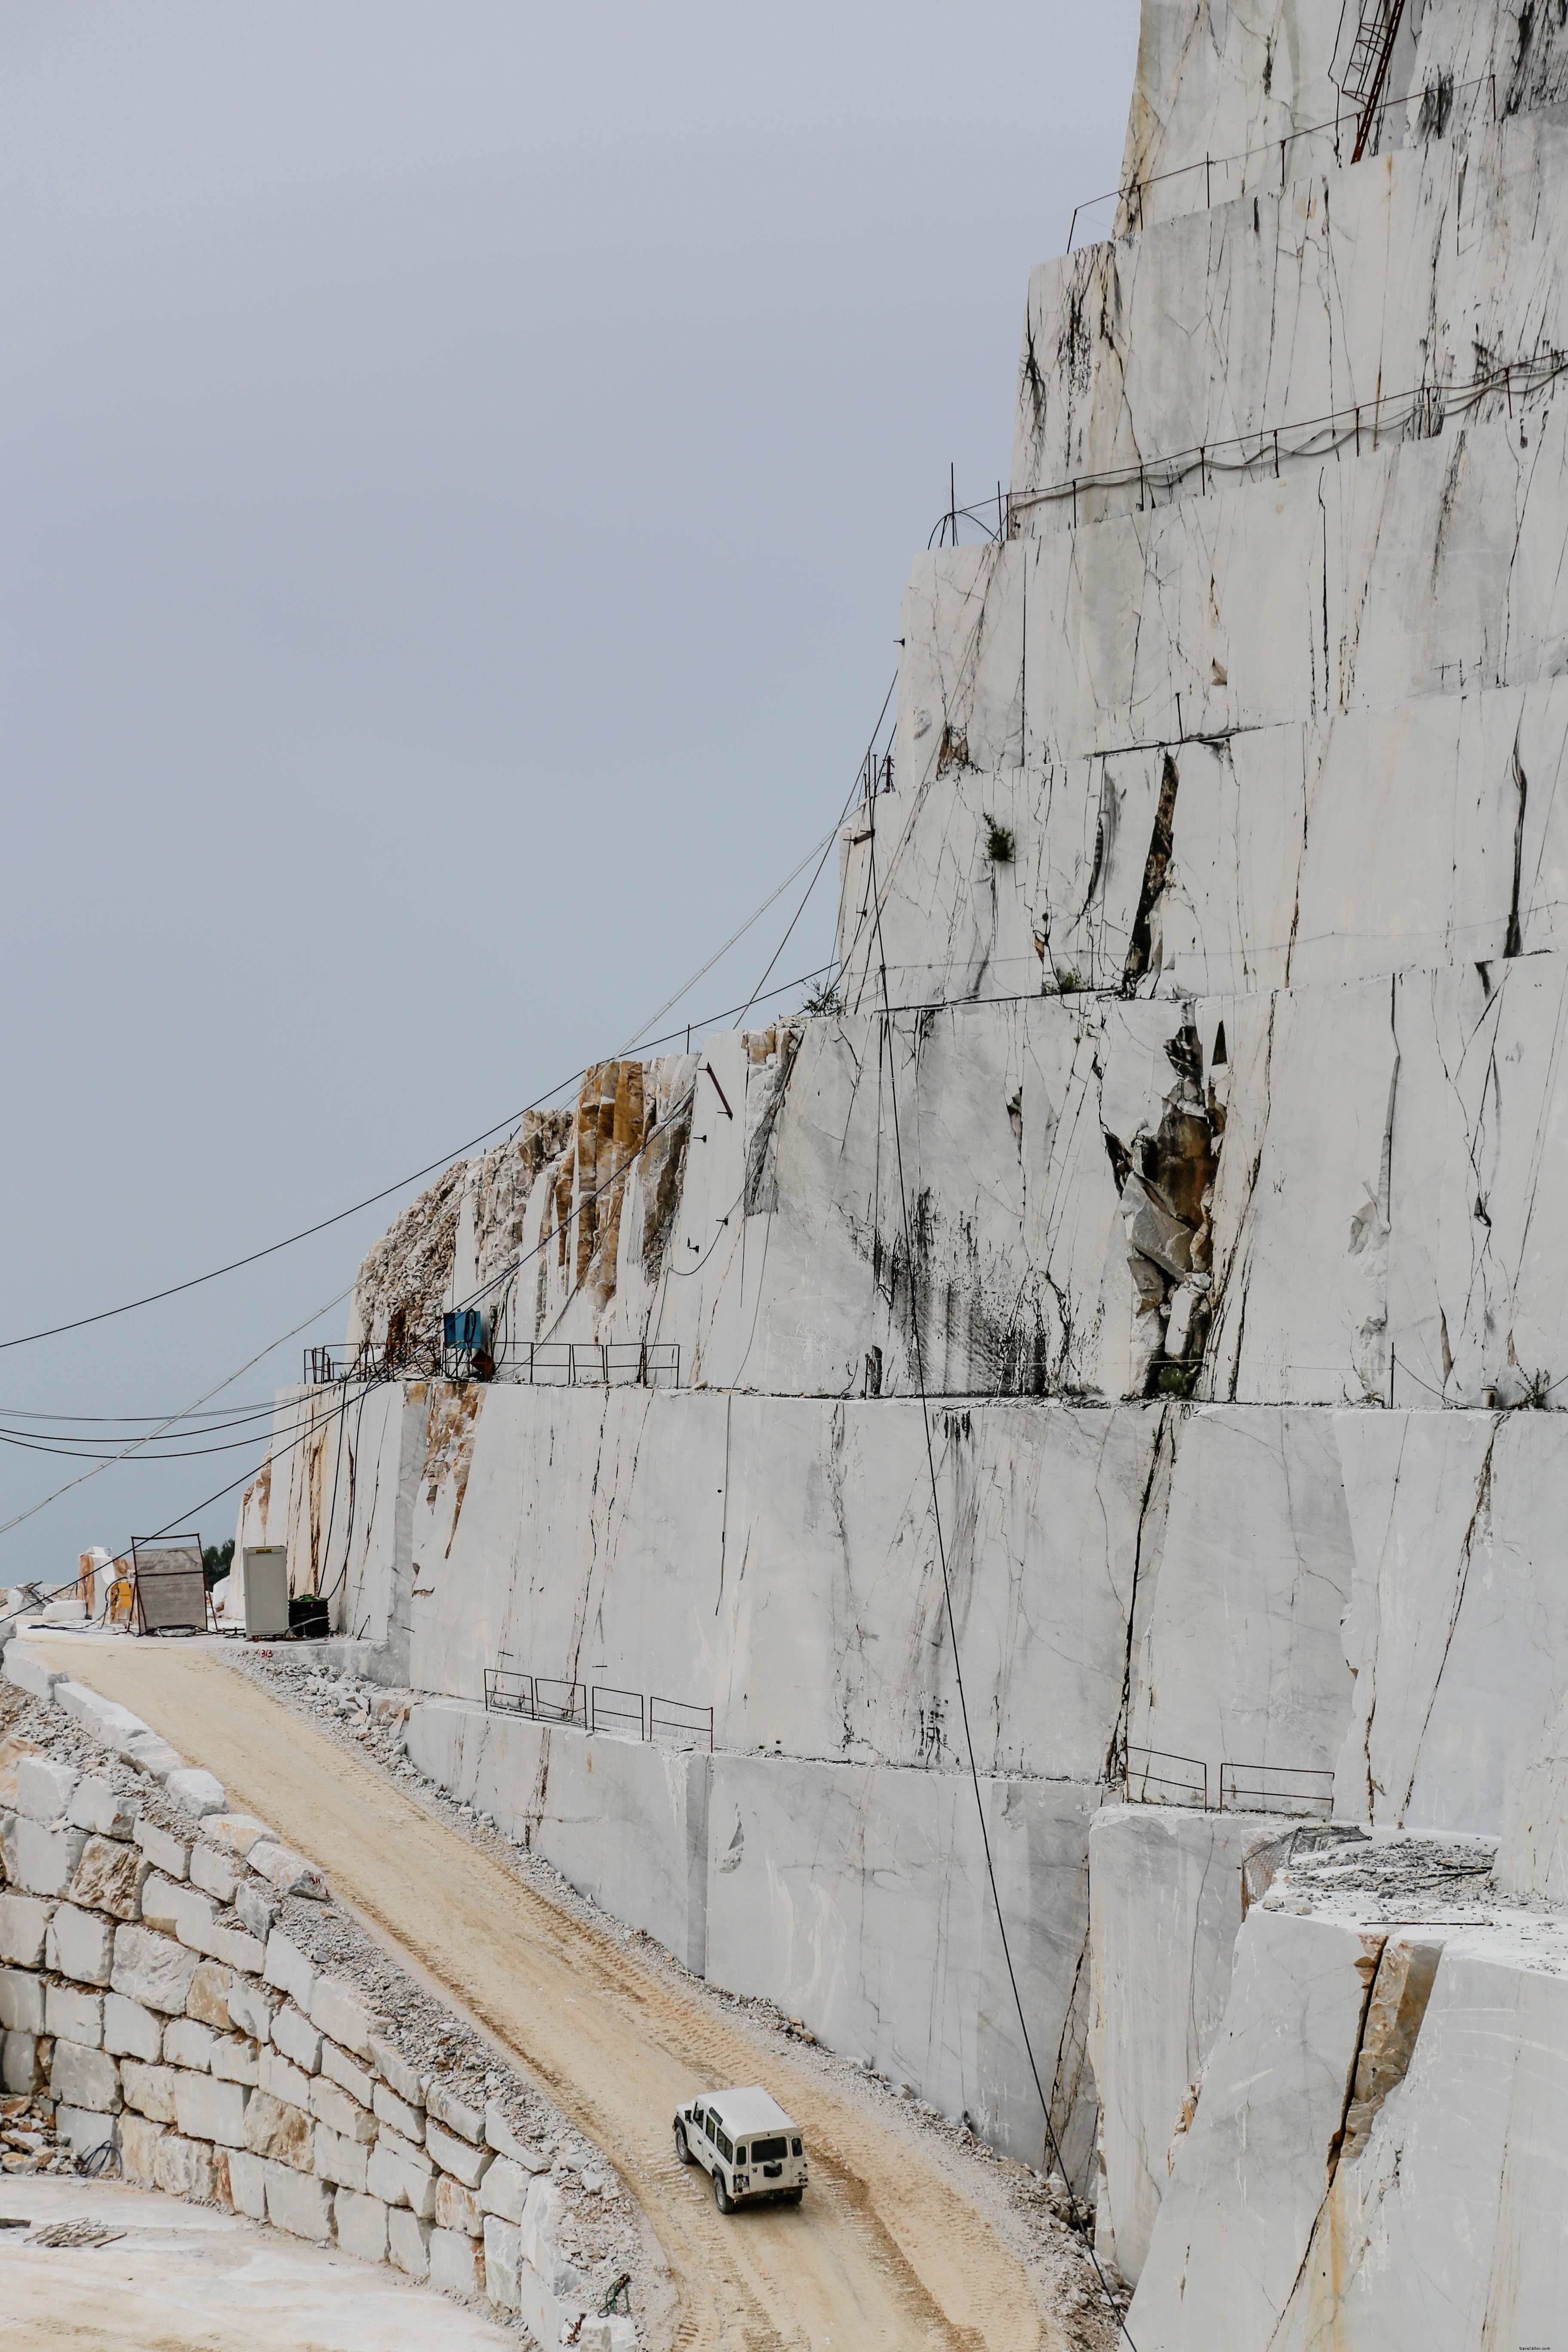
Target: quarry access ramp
[886, 2252]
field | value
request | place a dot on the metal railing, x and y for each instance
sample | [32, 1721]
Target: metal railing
[591, 1363]
[598, 1707]
[1433, 101]
[1418, 415]
[1277, 1789]
[541, 1363]
[324, 1365]
[1147, 1781]
[617, 1710]
[679, 1722]
[543, 1698]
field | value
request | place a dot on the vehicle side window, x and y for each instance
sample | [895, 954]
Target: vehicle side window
[708, 2125]
[726, 2145]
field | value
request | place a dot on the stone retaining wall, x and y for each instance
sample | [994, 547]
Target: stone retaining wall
[149, 1998]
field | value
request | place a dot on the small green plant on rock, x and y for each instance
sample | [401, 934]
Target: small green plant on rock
[998, 840]
[825, 999]
[1166, 1378]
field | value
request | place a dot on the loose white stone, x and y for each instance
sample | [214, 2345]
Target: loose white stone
[42, 1859]
[23, 1926]
[502, 2256]
[149, 2089]
[239, 1831]
[298, 2203]
[81, 1944]
[45, 1789]
[247, 2183]
[341, 2069]
[408, 2242]
[466, 2163]
[86, 2130]
[395, 2069]
[82, 2077]
[153, 1970]
[197, 1791]
[213, 1871]
[281, 2079]
[499, 2134]
[22, 2068]
[287, 1872]
[186, 2043]
[456, 2262]
[207, 2109]
[167, 1853]
[139, 2142]
[236, 1949]
[286, 1968]
[361, 2225]
[390, 2110]
[339, 2112]
[185, 2168]
[504, 2188]
[297, 2039]
[451, 2112]
[19, 1665]
[21, 2001]
[76, 2016]
[98, 1805]
[132, 2030]
[337, 2009]
[403, 2175]
[251, 2008]
[281, 2133]
[236, 2058]
[344, 2161]
[458, 2208]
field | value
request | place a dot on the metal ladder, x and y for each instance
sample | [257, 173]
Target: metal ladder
[1367, 72]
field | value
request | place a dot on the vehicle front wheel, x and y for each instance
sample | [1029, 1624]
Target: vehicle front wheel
[721, 2197]
[682, 2149]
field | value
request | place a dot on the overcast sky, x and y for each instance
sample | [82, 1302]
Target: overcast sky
[459, 466]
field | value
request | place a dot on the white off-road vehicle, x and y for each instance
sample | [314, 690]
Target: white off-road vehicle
[747, 2142]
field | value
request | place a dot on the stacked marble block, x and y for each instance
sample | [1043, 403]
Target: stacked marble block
[145, 1985]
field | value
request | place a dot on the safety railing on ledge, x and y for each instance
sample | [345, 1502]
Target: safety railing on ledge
[598, 1707]
[1361, 426]
[1433, 104]
[325, 1365]
[555, 1363]
[1277, 1789]
[1153, 1776]
[1148, 1778]
[591, 1363]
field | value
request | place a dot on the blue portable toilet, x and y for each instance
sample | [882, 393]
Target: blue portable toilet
[464, 1330]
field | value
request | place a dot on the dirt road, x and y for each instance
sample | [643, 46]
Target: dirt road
[886, 2252]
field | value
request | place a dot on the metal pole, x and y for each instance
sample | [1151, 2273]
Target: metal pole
[1208, 179]
[953, 500]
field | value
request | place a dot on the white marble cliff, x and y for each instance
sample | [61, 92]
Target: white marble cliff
[1211, 950]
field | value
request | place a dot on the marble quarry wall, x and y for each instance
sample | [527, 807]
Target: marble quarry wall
[1192, 1126]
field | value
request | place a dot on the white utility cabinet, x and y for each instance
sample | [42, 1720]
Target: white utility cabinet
[263, 1580]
